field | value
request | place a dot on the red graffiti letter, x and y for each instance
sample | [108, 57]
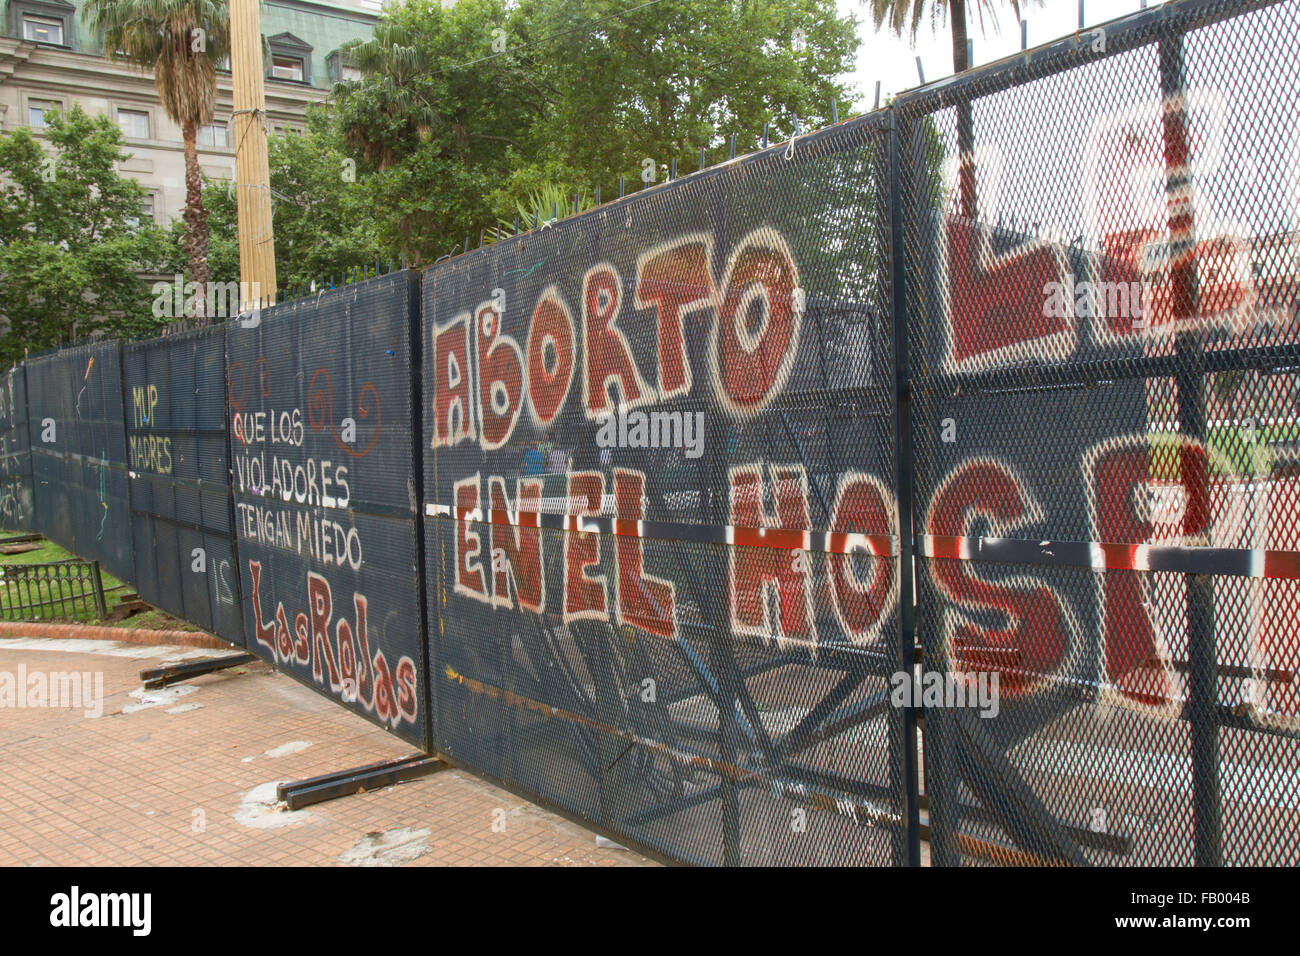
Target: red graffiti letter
[996, 304]
[584, 597]
[469, 545]
[320, 604]
[757, 335]
[643, 601]
[771, 554]
[500, 379]
[862, 506]
[519, 542]
[674, 281]
[550, 356]
[1037, 630]
[453, 404]
[605, 348]
[1119, 477]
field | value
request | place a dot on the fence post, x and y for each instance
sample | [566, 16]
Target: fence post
[1202, 677]
[97, 583]
[429, 636]
[910, 842]
[120, 347]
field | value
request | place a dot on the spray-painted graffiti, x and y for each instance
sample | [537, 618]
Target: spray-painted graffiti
[1141, 268]
[148, 451]
[753, 309]
[342, 661]
[1141, 524]
[320, 474]
[483, 377]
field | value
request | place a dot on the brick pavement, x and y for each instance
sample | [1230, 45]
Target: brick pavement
[183, 780]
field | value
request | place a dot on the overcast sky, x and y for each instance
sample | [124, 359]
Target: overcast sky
[885, 57]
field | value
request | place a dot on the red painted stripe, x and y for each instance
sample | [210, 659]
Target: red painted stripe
[1282, 564]
[784, 539]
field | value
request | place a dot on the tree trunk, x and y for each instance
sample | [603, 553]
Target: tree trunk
[965, 117]
[957, 14]
[196, 224]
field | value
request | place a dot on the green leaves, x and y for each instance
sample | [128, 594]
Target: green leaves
[471, 114]
[323, 208]
[180, 41]
[464, 112]
[72, 236]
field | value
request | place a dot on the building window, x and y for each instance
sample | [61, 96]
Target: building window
[341, 68]
[213, 134]
[43, 30]
[286, 68]
[290, 58]
[146, 212]
[41, 21]
[39, 111]
[133, 123]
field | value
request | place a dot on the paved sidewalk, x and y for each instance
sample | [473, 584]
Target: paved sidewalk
[189, 778]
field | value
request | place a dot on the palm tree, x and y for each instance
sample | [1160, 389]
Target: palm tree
[906, 14]
[182, 42]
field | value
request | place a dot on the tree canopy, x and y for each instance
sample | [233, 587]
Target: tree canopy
[464, 113]
[72, 236]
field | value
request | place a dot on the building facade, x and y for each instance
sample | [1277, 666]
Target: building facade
[50, 60]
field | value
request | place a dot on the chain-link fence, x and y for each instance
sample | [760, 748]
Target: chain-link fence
[182, 518]
[1101, 305]
[660, 479]
[321, 429]
[17, 508]
[653, 562]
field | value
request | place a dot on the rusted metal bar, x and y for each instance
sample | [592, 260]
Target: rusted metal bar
[156, 677]
[342, 783]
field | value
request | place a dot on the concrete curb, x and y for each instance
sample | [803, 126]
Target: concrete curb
[95, 632]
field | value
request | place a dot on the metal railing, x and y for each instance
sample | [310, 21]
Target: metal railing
[70, 590]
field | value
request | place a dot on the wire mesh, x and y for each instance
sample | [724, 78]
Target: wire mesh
[17, 508]
[320, 403]
[659, 462]
[79, 459]
[1102, 308]
[180, 486]
[1036, 325]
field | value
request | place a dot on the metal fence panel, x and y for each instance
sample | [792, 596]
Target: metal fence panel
[17, 509]
[676, 462]
[180, 479]
[79, 459]
[324, 486]
[1102, 312]
[661, 529]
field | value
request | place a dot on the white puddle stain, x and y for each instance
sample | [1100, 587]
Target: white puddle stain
[387, 848]
[260, 809]
[292, 747]
[161, 697]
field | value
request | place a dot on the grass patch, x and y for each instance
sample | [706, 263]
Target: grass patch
[114, 591]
